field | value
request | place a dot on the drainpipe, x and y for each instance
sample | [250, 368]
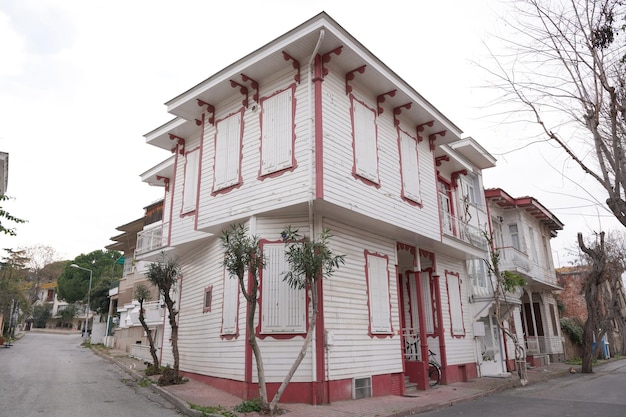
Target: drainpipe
[311, 197]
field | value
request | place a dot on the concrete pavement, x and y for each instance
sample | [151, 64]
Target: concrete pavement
[198, 393]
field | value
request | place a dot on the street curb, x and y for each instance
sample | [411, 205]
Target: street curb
[180, 405]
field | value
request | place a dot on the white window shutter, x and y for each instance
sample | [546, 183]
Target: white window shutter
[454, 299]
[380, 314]
[283, 307]
[366, 152]
[410, 171]
[190, 187]
[231, 304]
[227, 152]
[428, 304]
[277, 146]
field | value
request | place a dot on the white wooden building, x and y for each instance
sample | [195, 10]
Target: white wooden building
[313, 131]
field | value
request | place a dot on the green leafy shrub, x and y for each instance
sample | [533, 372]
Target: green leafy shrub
[219, 410]
[169, 377]
[573, 329]
[249, 406]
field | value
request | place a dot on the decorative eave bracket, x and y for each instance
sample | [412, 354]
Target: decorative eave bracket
[381, 99]
[243, 90]
[165, 180]
[180, 144]
[420, 128]
[433, 137]
[326, 59]
[440, 159]
[295, 64]
[254, 85]
[209, 108]
[398, 110]
[350, 77]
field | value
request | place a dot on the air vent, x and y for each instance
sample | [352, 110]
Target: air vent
[362, 388]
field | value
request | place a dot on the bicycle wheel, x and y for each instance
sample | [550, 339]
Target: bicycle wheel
[434, 374]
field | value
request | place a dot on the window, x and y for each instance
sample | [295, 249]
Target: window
[231, 304]
[190, 187]
[533, 246]
[378, 292]
[445, 207]
[227, 152]
[208, 297]
[478, 273]
[277, 136]
[283, 308]
[409, 167]
[453, 282]
[514, 236]
[364, 142]
[471, 189]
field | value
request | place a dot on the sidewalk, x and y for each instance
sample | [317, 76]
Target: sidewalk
[198, 393]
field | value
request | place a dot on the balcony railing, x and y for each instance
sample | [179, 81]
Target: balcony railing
[151, 239]
[537, 345]
[463, 230]
[512, 259]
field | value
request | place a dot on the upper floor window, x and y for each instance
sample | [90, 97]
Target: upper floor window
[470, 186]
[227, 168]
[364, 134]
[277, 137]
[409, 167]
[283, 308]
[514, 233]
[378, 291]
[533, 245]
[445, 206]
[190, 186]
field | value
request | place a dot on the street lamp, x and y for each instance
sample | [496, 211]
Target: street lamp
[88, 294]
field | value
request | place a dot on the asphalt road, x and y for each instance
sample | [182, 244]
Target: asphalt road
[51, 375]
[602, 393]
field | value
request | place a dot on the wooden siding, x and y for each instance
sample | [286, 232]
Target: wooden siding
[202, 350]
[385, 202]
[255, 195]
[458, 350]
[352, 352]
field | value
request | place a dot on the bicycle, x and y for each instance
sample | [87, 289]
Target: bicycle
[434, 369]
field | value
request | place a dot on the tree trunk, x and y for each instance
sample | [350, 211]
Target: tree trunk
[303, 350]
[174, 326]
[251, 298]
[142, 320]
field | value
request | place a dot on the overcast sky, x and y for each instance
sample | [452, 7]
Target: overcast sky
[82, 81]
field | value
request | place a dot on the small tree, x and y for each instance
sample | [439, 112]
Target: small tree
[67, 314]
[41, 314]
[243, 256]
[310, 261]
[142, 293]
[164, 275]
[506, 281]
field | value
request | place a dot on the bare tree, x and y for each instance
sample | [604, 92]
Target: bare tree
[604, 296]
[142, 293]
[39, 258]
[566, 66]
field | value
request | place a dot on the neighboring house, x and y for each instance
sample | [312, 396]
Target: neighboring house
[129, 334]
[47, 294]
[315, 132]
[521, 231]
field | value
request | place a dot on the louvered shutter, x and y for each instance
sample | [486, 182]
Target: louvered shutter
[380, 311]
[366, 153]
[190, 188]
[283, 307]
[230, 304]
[454, 299]
[227, 152]
[277, 145]
[410, 171]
